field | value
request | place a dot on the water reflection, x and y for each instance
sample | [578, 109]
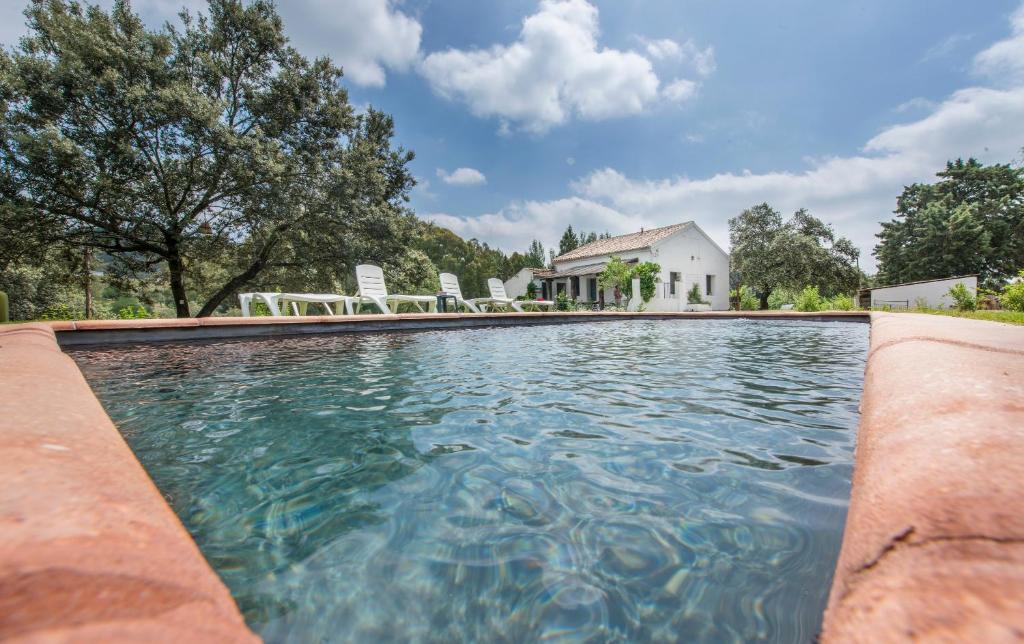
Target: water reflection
[613, 481]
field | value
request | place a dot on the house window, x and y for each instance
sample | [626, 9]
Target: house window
[709, 284]
[672, 279]
[559, 288]
[592, 289]
[574, 287]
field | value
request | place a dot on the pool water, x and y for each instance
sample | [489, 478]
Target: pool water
[614, 481]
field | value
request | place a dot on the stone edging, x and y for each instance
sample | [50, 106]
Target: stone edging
[89, 548]
[934, 541]
[933, 546]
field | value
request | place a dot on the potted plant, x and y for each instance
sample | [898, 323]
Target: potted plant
[694, 302]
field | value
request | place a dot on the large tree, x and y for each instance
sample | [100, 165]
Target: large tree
[213, 154]
[769, 252]
[971, 221]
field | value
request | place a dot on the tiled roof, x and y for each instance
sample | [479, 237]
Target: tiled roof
[586, 269]
[622, 243]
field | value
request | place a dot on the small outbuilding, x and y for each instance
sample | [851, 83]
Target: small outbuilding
[931, 294]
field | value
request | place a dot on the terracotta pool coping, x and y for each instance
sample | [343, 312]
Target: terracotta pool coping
[933, 547]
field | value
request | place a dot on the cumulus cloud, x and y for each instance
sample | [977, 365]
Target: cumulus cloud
[366, 37]
[680, 90]
[462, 177]
[555, 70]
[853, 192]
[665, 49]
[1004, 61]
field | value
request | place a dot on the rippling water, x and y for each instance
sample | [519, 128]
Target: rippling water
[616, 481]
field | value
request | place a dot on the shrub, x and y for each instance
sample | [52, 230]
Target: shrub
[963, 300]
[748, 301]
[648, 275]
[840, 303]
[562, 302]
[57, 312]
[133, 313]
[693, 295]
[781, 296]
[808, 299]
[920, 303]
[1013, 295]
[531, 291]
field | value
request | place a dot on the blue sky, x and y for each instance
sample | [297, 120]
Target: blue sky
[610, 115]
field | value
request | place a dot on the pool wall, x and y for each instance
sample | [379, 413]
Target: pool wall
[934, 540]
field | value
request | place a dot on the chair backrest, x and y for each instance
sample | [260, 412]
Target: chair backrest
[497, 289]
[450, 285]
[371, 281]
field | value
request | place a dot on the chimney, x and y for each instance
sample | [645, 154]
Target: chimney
[641, 229]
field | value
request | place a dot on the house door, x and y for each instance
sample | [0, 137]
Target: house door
[592, 289]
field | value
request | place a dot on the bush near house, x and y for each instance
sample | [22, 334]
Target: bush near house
[1012, 297]
[963, 299]
[693, 295]
[809, 299]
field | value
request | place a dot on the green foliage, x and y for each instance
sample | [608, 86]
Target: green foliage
[531, 291]
[769, 252]
[647, 272]
[4, 313]
[562, 302]
[412, 273]
[693, 295]
[472, 261]
[209, 156]
[57, 312]
[1012, 297]
[568, 242]
[747, 299]
[782, 296]
[963, 299]
[616, 275]
[840, 302]
[134, 313]
[970, 221]
[809, 299]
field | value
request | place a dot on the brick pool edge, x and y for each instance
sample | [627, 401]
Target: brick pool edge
[933, 546]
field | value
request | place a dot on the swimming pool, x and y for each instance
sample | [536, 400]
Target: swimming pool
[637, 480]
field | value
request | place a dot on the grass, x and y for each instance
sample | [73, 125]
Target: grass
[1007, 317]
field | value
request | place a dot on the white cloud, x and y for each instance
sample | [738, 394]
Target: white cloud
[852, 192]
[1004, 61]
[462, 177]
[366, 37]
[665, 49]
[554, 71]
[915, 104]
[946, 47]
[680, 90]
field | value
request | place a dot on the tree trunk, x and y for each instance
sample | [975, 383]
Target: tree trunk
[235, 283]
[177, 271]
[87, 270]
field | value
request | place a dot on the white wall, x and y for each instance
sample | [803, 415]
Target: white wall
[693, 256]
[515, 286]
[934, 292]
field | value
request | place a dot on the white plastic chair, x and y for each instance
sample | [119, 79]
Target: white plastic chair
[373, 291]
[499, 297]
[278, 303]
[450, 285]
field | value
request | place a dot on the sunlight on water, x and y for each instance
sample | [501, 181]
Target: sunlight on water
[617, 481]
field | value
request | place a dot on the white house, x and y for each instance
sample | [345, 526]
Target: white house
[686, 254]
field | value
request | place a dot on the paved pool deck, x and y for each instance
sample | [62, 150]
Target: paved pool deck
[934, 541]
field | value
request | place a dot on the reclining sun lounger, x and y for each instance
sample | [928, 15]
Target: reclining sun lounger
[373, 291]
[278, 302]
[450, 285]
[500, 298]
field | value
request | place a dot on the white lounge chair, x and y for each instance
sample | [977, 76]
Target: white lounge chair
[500, 298]
[373, 291]
[278, 303]
[450, 285]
